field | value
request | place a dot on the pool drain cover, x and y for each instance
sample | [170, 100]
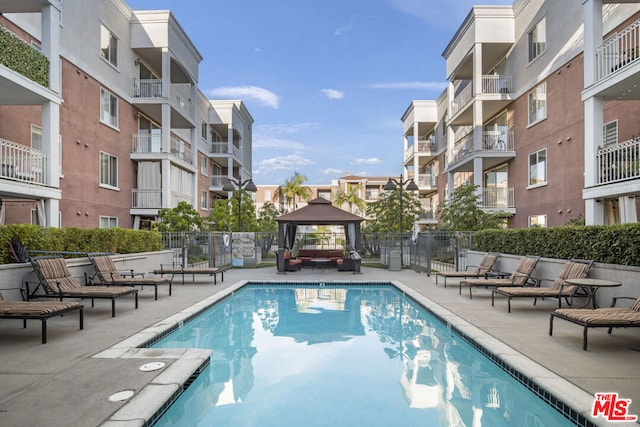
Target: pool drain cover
[153, 366]
[121, 395]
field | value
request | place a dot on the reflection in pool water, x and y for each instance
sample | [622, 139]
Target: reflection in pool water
[342, 356]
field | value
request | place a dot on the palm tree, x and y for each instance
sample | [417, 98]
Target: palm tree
[351, 197]
[292, 190]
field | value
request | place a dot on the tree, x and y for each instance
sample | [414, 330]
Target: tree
[461, 211]
[350, 197]
[386, 211]
[266, 218]
[183, 217]
[224, 213]
[292, 190]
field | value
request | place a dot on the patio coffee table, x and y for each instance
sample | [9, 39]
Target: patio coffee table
[591, 286]
[319, 262]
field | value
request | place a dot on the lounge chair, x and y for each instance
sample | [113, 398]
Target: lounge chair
[519, 277]
[611, 317]
[573, 269]
[38, 310]
[107, 274]
[486, 265]
[174, 269]
[291, 264]
[55, 281]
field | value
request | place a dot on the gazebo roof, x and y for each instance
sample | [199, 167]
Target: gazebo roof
[319, 211]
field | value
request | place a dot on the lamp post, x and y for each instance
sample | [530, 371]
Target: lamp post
[393, 184]
[232, 185]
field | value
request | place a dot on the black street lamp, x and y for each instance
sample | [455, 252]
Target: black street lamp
[232, 185]
[394, 184]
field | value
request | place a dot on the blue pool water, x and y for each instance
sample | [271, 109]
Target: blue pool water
[342, 356]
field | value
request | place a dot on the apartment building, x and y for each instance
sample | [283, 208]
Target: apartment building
[524, 120]
[366, 188]
[118, 128]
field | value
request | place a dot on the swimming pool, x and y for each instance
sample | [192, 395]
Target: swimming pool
[342, 355]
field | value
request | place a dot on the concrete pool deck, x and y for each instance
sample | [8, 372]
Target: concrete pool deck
[69, 380]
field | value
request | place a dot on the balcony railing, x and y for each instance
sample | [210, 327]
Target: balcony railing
[218, 180]
[497, 140]
[498, 198]
[618, 51]
[147, 88]
[146, 143]
[221, 147]
[146, 198]
[463, 148]
[618, 162]
[426, 180]
[496, 84]
[21, 163]
[181, 98]
[179, 197]
[181, 149]
[462, 99]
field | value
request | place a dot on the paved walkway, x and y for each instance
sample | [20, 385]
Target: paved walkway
[67, 382]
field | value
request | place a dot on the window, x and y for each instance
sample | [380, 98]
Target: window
[267, 195]
[204, 164]
[108, 221]
[108, 108]
[36, 137]
[537, 39]
[610, 133]
[537, 221]
[371, 192]
[108, 170]
[538, 104]
[204, 197]
[204, 131]
[538, 168]
[108, 46]
[325, 194]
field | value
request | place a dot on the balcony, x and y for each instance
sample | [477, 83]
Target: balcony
[149, 91]
[218, 180]
[146, 198]
[426, 181]
[462, 149]
[497, 141]
[181, 149]
[493, 84]
[222, 147]
[21, 163]
[146, 143]
[618, 51]
[461, 100]
[498, 198]
[618, 162]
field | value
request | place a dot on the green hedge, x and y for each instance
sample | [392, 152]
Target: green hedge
[615, 244]
[113, 240]
[22, 58]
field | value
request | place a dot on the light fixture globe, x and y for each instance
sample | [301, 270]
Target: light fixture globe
[389, 186]
[412, 186]
[228, 186]
[251, 187]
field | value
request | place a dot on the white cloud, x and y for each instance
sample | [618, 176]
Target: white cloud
[371, 161]
[267, 131]
[278, 144]
[333, 94]
[410, 85]
[334, 171]
[343, 30]
[261, 95]
[292, 162]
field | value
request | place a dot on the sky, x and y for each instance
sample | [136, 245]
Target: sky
[326, 82]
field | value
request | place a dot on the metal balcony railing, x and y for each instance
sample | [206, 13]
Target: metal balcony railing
[618, 162]
[21, 163]
[462, 149]
[498, 198]
[146, 143]
[147, 88]
[496, 84]
[426, 180]
[146, 198]
[221, 147]
[462, 99]
[181, 149]
[497, 140]
[218, 180]
[618, 51]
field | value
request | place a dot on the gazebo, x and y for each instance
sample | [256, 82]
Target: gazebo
[319, 211]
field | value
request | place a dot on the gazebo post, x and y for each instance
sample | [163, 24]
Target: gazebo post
[281, 243]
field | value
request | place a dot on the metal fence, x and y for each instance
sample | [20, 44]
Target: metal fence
[422, 252]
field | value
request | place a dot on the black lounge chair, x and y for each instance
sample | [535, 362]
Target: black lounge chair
[55, 281]
[38, 310]
[107, 274]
